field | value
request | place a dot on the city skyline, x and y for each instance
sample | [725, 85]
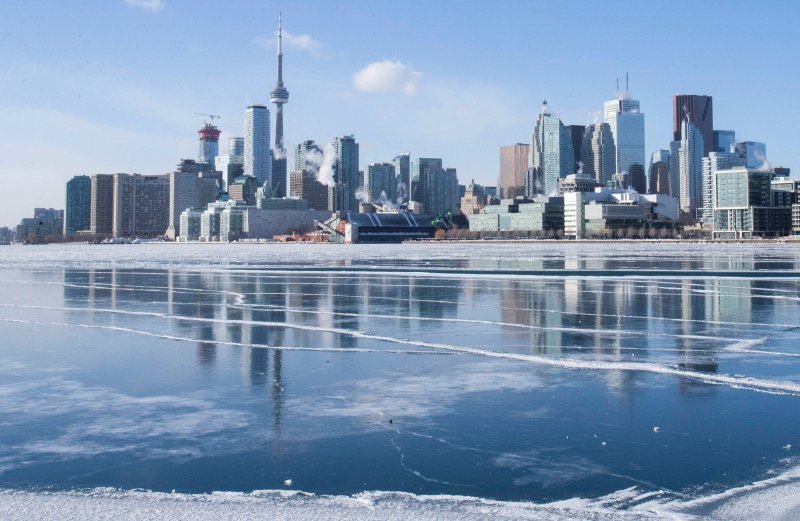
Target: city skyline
[75, 107]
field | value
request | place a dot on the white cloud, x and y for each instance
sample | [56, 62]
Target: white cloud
[387, 76]
[297, 42]
[147, 5]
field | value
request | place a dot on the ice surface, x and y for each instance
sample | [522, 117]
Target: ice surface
[776, 498]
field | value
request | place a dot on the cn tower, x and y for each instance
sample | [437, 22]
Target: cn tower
[279, 94]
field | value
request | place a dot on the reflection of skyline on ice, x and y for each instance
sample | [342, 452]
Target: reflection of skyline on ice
[268, 366]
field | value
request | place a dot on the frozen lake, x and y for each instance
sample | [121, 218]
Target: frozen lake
[541, 380]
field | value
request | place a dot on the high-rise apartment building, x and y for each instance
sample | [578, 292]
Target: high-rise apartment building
[141, 205]
[700, 110]
[598, 153]
[102, 197]
[754, 154]
[257, 155]
[434, 186]
[711, 164]
[78, 209]
[381, 182]
[626, 122]
[551, 154]
[513, 165]
[690, 158]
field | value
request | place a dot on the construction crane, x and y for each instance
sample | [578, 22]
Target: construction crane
[212, 117]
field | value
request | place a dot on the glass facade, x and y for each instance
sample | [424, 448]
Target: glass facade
[626, 122]
[691, 169]
[257, 154]
[551, 154]
[598, 154]
[78, 207]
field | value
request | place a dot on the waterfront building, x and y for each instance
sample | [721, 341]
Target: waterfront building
[744, 206]
[608, 212]
[78, 209]
[598, 153]
[6, 235]
[754, 154]
[700, 111]
[257, 156]
[381, 182]
[513, 164]
[541, 215]
[715, 161]
[141, 205]
[690, 157]
[190, 225]
[46, 225]
[724, 141]
[785, 191]
[101, 220]
[551, 155]
[626, 122]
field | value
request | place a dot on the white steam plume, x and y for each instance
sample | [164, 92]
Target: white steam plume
[322, 162]
[362, 196]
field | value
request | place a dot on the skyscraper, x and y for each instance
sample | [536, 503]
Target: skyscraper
[346, 172]
[659, 179]
[257, 156]
[279, 96]
[434, 186]
[78, 209]
[675, 170]
[754, 154]
[701, 113]
[141, 205]
[724, 140]
[576, 133]
[381, 182]
[102, 213]
[402, 170]
[232, 164]
[513, 164]
[626, 122]
[598, 154]
[191, 185]
[551, 155]
[691, 169]
[209, 144]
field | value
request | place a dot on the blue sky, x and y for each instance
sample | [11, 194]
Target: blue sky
[101, 86]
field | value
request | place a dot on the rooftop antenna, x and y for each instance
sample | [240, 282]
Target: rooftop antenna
[617, 86]
[626, 82]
